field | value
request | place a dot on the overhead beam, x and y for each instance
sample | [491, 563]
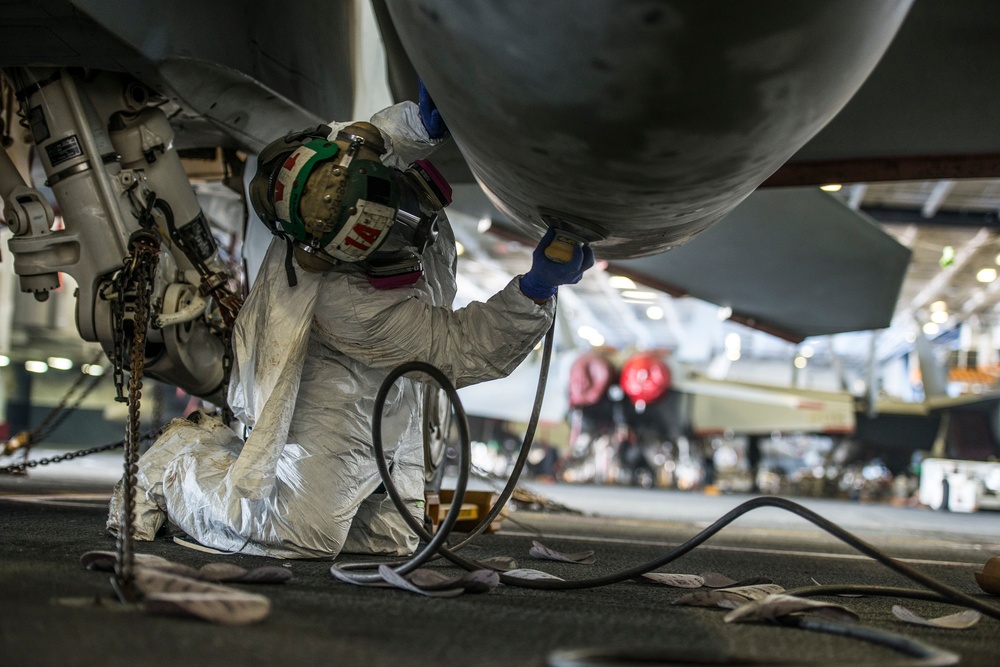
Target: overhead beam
[871, 170]
[974, 219]
[908, 236]
[937, 196]
[857, 195]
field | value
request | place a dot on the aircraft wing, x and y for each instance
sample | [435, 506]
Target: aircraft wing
[719, 406]
[795, 262]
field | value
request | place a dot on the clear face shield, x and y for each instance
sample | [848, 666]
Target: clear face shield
[336, 202]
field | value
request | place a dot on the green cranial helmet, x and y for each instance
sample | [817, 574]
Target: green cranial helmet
[334, 199]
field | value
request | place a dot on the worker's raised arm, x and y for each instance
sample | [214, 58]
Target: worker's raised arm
[482, 341]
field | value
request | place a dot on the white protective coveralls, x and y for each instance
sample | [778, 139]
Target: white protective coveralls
[309, 361]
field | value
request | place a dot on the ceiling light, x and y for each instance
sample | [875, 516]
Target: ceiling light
[986, 275]
[36, 366]
[484, 225]
[621, 282]
[724, 313]
[92, 369]
[831, 187]
[806, 351]
[60, 363]
[733, 354]
[591, 335]
[800, 361]
[733, 341]
[939, 305]
[939, 316]
[654, 313]
[639, 295]
[4, 360]
[931, 328]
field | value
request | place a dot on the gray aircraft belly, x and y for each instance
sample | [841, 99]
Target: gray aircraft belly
[642, 122]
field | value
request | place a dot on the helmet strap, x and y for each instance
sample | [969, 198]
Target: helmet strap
[293, 280]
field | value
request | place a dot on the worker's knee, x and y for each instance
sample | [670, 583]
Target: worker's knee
[378, 528]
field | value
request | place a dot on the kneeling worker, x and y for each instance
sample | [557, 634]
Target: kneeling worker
[359, 279]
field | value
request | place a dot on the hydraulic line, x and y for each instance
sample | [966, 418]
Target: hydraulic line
[923, 655]
[425, 553]
[435, 542]
[863, 590]
[522, 454]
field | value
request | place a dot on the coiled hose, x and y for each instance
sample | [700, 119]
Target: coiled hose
[434, 546]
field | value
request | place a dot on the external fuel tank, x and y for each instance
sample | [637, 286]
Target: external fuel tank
[637, 123]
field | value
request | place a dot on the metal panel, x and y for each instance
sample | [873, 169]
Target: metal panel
[935, 92]
[795, 261]
[746, 409]
[243, 72]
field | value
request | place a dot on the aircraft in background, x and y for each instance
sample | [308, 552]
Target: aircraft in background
[654, 411]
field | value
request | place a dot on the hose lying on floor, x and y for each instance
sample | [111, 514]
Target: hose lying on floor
[925, 656]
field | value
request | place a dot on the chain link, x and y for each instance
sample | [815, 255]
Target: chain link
[20, 468]
[25, 440]
[118, 346]
[137, 276]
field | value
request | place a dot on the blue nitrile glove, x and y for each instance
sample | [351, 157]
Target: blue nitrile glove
[545, 276]
[430, 115]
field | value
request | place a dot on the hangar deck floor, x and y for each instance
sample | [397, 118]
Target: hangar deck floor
[50, 518]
